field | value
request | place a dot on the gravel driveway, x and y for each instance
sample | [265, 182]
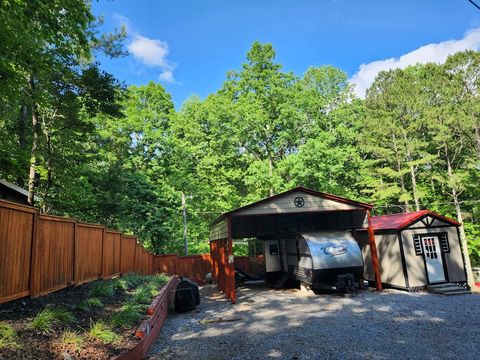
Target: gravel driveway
[289, 324]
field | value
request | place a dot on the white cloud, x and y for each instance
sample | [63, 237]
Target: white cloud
[150, 52]
[431, 53]
[167, 75]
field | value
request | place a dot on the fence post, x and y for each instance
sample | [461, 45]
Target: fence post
[33, 251]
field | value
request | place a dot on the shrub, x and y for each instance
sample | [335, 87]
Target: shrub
[142, 295]
[93, 301]
[7, 336]
[100, 331]
[43, 322]
[87, 304]
[72, 338]
[128, 281]
[158, 280]
[101, 289]
[121, 284]
[63, 316]
[127, 316]
[82, 306]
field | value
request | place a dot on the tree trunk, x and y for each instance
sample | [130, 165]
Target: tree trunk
[33, 158]
[399, 169]
[270, 173]
[477, 140]
[48, 185]
[414, 187]
[458, 210]
[412, 174]
[22, 138]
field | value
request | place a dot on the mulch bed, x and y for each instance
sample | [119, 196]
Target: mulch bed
[35, 345]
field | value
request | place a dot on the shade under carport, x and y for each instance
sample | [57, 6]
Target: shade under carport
[297, 210]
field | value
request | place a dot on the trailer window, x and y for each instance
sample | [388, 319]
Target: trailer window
[273, 249]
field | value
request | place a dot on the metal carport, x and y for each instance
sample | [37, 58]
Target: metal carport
[299, 209]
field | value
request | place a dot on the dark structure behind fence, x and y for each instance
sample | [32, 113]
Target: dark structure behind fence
[41, 253]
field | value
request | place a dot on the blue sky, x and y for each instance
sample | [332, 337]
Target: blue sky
[189, 45]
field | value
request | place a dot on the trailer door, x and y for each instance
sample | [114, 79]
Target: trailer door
[272, 256]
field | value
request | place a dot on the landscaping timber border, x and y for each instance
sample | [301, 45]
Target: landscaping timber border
[149, 329]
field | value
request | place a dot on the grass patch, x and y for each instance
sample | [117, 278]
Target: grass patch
[128, 315]
[101, 288]
[102, 332]
[142, 295]
[63, 316]
[83, 306]
[88, 304]
[159, 280]
[72, 338]
[8, 337]
[93, 301]
[129, 281]
[46, 319]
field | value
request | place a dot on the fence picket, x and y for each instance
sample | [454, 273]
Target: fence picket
[41, 253]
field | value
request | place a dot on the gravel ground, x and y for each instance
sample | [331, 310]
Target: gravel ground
[289, 324]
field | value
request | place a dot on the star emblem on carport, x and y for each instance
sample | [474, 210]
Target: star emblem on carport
[299, 201]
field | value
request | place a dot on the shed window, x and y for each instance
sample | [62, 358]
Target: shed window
[417, 244]
[444, 242]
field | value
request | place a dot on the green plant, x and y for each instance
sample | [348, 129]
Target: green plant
[158, 280]
[102, 332]
[128, 281]
[93, 301]
[142, 295]
[121, 284]
[87, 304]
[82, 306]
[7, 336]
[63, 315]
[45, 320]
[72, 338]
[101, 289]
[127, 316]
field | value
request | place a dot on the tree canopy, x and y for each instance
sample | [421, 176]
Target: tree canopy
[93, 148]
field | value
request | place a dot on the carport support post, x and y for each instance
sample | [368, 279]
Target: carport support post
[230, 263]
[373, 251]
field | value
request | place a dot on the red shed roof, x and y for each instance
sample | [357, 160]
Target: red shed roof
[402, 220]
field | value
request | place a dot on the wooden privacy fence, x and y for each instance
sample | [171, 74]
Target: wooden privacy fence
[41, 253]
[223, 267]
[194, 267]
[242, 263]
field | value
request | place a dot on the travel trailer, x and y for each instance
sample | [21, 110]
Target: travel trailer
[321, 260]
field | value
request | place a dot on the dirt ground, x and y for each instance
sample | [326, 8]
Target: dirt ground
[288, 324]
[33, 344]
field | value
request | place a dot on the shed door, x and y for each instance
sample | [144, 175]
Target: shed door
[272, 256]
[433, 259]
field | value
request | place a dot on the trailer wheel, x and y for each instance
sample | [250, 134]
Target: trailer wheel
[350, 288]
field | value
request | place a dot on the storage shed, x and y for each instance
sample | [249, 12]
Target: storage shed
[14, 193]
[415, 249]
[299, 210]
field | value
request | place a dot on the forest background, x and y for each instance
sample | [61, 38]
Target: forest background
[91, 147]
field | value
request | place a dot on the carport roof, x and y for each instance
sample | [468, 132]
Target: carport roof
[314, 193]
[401, 221]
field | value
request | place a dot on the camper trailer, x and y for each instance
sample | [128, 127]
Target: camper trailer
[320, 260]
